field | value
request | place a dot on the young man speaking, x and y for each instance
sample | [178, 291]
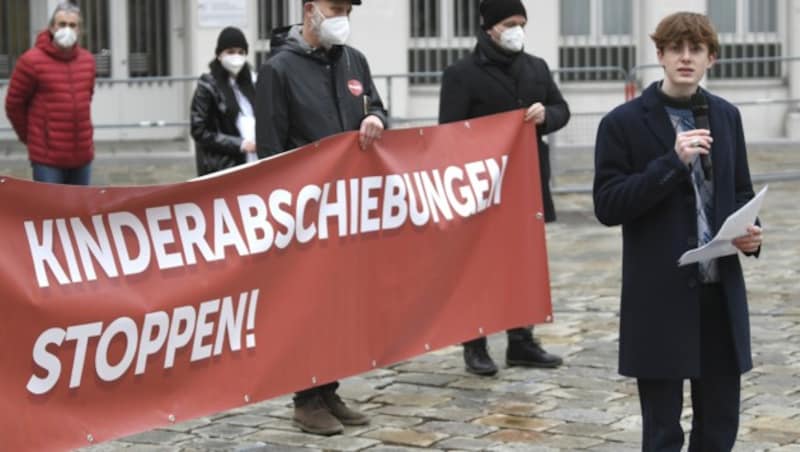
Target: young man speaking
[670, 167]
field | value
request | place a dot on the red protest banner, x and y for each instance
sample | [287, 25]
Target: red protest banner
[128, 308]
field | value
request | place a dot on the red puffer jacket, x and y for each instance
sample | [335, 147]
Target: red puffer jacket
[49, 103]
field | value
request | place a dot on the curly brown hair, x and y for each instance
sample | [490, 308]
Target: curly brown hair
[686, 27]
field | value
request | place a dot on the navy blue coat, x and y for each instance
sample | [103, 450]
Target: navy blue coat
[641, 184]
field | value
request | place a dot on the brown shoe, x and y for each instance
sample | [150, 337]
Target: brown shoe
[313, 416]
[345, 415]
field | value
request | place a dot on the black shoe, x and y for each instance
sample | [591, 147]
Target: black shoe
[478, 361]
[530, 354]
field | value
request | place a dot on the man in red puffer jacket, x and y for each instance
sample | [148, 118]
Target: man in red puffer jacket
[49, 101]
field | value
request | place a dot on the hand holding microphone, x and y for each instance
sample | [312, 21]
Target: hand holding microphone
[691, 143]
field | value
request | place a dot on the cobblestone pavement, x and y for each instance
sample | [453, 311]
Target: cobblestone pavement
[431, 403]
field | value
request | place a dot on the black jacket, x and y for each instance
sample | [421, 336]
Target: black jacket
[304, 95]
[641, 184]
[490, 81]
[213, 119]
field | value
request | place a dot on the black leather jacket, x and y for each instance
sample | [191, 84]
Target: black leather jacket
[213, 125]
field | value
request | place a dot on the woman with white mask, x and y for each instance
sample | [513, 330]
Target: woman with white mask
[222, 116]
[498, 76]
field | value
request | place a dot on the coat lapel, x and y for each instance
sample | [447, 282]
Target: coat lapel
[718, 154]
[656, 118]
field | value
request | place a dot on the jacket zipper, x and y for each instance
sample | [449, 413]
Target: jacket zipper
[74, 109]
[332, 70]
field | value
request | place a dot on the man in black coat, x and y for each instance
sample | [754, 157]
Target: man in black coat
[686, 322]
[497, 77]
[308, 90]
[314, 86]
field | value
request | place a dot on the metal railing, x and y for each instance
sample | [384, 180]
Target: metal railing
[146, 108]
[572, 162]
[390, 79]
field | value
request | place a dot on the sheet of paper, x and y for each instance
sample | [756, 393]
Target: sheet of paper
[734, 226]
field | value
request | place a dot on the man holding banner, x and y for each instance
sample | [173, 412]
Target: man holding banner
[499, 76]
[314, 86]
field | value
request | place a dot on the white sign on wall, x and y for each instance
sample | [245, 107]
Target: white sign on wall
[222, 13]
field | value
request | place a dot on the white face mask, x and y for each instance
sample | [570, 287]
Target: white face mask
[65, 37]
[233, 62]
[513, 39]
[331, 30]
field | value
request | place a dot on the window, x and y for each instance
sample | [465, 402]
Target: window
[596, 33]
[622, 58]
[442, 31]
[575, 17]
[747, 29]
[425, 18]
[94, 33]
[272, 14]
[617, 17]
[148, 38]
[466, 17]
[763, 16]
[744, 16]
[596, 17]
[14, 33]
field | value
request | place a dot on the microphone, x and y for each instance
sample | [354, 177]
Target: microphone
[699, 107]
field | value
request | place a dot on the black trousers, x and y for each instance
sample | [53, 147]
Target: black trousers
[304, 396]
[715, 422]
[514, 334]
[715, 394]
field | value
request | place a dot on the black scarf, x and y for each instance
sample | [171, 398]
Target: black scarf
[674, 102]
[491, 53]
[244, 80]
[502, 65]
